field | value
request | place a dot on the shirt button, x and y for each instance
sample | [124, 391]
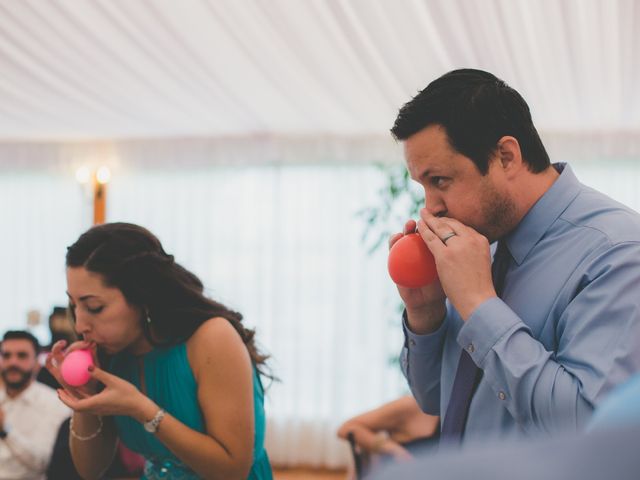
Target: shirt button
[501, 395]
[412, 342]
[471, 348]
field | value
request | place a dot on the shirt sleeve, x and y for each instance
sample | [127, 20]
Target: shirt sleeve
[596, 347]
[421, 363]
[32, 434]
[33, 451]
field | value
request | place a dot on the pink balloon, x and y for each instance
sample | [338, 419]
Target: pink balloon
[75, 367]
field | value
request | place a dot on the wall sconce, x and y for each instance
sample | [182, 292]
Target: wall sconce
[98, 178]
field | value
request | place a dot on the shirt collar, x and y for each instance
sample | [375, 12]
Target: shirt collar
[29, 395]
[543, 213]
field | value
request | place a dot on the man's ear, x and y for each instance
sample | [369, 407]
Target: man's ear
[509, 155]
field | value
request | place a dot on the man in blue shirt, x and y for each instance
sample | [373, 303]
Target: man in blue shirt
[534, 348]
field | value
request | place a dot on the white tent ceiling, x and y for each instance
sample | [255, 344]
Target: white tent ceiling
[120, 69]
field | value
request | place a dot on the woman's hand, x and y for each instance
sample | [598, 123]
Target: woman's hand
[118, 397]
[57, 356]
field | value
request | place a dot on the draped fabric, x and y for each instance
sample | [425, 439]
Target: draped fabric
[73, 69]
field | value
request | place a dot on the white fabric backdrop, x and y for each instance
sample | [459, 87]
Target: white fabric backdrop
[77, 69]
[281, 244]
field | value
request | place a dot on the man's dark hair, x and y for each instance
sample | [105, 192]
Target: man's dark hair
[476, 109]
[22, 335]
[58, 312]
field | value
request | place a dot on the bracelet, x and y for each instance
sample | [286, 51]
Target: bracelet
[152, 425]
[88, 437]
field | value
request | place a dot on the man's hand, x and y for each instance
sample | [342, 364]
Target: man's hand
[425, 305]
[463, 262]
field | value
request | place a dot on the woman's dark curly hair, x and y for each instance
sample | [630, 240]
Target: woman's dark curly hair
[131, 258]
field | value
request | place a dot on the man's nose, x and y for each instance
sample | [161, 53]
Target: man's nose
[9, 361]
[434, 205]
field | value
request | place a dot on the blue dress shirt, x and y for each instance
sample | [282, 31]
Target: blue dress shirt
[565, 332]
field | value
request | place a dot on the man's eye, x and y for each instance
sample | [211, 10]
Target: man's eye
[437, 181]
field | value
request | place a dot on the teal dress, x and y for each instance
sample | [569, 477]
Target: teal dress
[170, 383]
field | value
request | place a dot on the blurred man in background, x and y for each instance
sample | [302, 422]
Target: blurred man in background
[30, 413]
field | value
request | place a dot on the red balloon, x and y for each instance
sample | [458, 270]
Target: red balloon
[411, 263]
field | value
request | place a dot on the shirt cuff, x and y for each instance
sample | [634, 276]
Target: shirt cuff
[488, 323]
[421, 344]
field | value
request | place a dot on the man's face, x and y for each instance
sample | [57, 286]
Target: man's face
[455, 188]
[19, 363]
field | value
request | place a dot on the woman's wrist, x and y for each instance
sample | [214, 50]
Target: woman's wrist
[85, 417]
[379, 443]
[82, 436]
[145, 409]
